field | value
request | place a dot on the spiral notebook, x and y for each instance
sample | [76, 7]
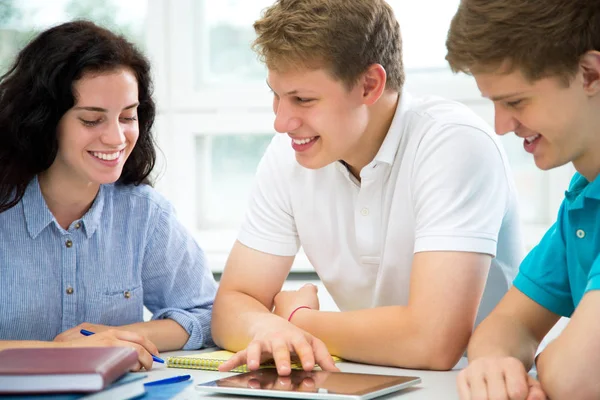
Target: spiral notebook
[212, 360]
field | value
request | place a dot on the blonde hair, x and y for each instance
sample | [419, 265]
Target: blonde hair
[343, 36]
[539, 37]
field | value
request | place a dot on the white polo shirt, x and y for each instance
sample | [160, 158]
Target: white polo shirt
[440, 182]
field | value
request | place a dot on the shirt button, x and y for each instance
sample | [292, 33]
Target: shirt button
[69, 243]
[127, 294]
[580, 233]
[69, 290]
[77, 225]
[364, 211]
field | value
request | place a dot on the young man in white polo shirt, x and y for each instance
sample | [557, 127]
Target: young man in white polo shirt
[400, 204]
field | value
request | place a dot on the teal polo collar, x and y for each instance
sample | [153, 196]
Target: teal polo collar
[579, 189]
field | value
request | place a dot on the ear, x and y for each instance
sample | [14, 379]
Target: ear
[373, 83]
[590, 67]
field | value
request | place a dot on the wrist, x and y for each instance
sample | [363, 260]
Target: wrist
[296, 310]
[259, 320]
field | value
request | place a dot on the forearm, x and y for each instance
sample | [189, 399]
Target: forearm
[503, 336]
[235, 319]
[166, 334]
[393, 336]
[13, 344]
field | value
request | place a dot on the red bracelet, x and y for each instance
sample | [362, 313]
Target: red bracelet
[296, 309]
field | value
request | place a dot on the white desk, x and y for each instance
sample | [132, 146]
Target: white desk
[434, 385]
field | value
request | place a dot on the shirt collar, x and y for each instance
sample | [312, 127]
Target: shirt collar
[38, 216]
[579, 189]
[91, 219]
[391, 143]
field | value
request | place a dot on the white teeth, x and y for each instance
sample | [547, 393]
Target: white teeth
[530, 139]
[106, 156]
[303, 141]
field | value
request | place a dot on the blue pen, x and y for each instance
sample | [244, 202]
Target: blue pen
[85, 332]
[166, 381]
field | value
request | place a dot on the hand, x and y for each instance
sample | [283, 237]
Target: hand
[279, 340]
[116, 338]
[498, 378]
[75, 332]
[287, 301]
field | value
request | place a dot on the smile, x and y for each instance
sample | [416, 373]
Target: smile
[106, 156]
[530, 139]
[304, 141]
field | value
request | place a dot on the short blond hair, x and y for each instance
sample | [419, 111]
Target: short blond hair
[541, 38]
[343, 36]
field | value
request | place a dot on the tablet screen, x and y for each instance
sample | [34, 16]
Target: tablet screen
[337, 383]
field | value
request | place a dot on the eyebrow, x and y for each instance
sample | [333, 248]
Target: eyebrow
[104, 110]
[506, 96]
[291, 92]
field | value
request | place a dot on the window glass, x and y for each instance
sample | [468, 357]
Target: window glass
[226, 166]
[225, 34]
[20, 20]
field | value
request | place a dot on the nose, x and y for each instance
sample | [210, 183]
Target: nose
[504, 122]
[285, 119]
[114, 134]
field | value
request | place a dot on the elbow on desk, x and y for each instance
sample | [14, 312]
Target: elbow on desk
[444, 356]
[561, 382]
[222, 339]
[446, 344]
[218, 336]
[434, 351]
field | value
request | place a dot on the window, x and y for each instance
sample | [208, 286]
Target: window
[20, 20]
[226, 30]
[424, 32]
[225, 168]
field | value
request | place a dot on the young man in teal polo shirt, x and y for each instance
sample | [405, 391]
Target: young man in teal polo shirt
[539, 62]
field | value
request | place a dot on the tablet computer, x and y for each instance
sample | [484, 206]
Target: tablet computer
[309, 385]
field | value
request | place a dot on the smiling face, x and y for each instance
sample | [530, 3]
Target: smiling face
[325, 120]
[558, 122]
[97, 135]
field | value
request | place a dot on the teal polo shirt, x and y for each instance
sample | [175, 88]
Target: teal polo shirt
[566, 263]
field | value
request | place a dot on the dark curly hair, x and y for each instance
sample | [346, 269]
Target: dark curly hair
[38, 90]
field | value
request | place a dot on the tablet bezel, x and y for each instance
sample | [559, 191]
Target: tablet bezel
[402, 382]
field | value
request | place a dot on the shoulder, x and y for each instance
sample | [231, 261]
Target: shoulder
[138, 197]
[440, 125]
[426, 111]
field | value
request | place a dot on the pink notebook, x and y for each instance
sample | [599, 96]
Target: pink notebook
[64, 370]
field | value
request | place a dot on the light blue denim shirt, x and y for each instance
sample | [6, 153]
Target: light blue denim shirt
[127, 251]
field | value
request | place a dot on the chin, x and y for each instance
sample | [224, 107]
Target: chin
[543, 166]
[311, 163]
[546, 165]
[105, 180]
